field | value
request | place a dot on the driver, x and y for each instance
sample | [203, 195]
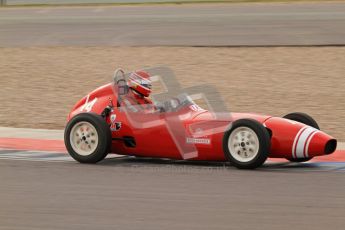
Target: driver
[140, 87]
[137, 99]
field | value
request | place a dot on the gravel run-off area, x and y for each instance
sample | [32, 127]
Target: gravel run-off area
[39, 85]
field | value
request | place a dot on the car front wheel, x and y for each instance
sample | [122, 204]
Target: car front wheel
[87, 138]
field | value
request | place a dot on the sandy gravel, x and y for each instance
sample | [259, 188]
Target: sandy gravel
[40, 85]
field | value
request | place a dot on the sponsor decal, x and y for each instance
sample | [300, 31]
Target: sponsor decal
[114, 126]
[204, 141]
[112, 117]
[195, 108]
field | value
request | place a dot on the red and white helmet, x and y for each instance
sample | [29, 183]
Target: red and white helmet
[140, 82]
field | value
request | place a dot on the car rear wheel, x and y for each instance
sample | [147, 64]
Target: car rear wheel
[246, 144]
[307, 120]
[87, 138]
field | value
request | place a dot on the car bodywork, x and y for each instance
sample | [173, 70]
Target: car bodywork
[193, 133]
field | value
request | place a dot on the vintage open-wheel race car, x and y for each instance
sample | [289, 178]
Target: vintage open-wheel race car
[100, 124]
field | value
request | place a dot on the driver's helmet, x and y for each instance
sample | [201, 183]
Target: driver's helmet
[140, 82]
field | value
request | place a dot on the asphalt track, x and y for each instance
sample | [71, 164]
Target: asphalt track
[182, 25]
[156, 195]
[48, 190]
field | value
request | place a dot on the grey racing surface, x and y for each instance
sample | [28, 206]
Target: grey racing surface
[155, 194]
[269, 24]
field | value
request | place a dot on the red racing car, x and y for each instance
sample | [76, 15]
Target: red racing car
[120, 118]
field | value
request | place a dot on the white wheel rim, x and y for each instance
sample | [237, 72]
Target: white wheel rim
[84, 138]
[243, 144]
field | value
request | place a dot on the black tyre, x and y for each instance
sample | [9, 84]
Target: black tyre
[299, 160]
[307, 120]
[302, 118]
[246, 144]
[87, 138]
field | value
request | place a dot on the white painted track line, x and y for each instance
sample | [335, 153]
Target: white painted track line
[341, 146]
[45, 134]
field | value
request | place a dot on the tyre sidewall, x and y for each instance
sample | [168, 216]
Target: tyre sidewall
[264, 143]
[104, 137]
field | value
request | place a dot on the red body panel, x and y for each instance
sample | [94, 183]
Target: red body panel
[292, 139]
[204, 129]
